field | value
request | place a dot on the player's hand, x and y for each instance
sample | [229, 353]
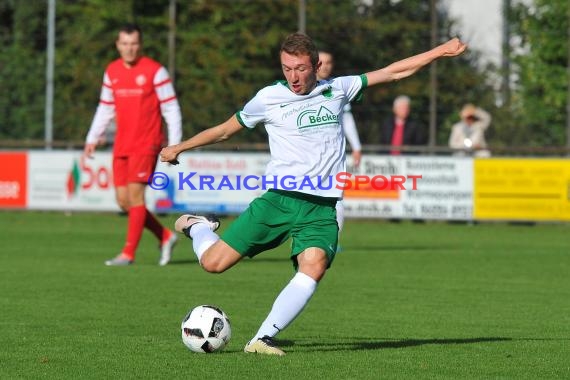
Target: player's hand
[169, 154]
[453, 47]
[356, 157]
[89, 150]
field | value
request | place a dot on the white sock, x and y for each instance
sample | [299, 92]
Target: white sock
[288, 305]
[202, 238]
[340, 215]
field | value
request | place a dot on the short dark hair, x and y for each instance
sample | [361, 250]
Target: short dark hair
[130, 29]
[301, 44]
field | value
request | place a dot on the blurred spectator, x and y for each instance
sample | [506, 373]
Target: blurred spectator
[399, 129]
[324, 72]
[468, 135]
[348, 125]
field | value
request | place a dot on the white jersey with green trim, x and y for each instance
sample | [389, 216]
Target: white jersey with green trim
[306, 140]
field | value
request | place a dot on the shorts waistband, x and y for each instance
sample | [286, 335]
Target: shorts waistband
[323, 201]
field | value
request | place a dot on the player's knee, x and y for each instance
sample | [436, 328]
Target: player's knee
[219, 257]
[313, 262]
[212, 264]
[316, 272]
[123, 203]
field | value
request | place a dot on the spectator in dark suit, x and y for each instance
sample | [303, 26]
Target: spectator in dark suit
[399, 129]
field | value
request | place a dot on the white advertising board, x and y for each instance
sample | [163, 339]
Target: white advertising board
[412, 187]
[67, 181]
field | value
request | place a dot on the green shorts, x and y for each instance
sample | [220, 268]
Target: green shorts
[277, 215]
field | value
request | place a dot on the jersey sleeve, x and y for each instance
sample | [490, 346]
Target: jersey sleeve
[352, 85]
[169, 107]
[104, 114]
[253, 112]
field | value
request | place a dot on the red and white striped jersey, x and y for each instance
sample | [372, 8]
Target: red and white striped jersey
[136, 97]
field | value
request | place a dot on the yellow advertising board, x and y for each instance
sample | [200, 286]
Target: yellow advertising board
[521, 189]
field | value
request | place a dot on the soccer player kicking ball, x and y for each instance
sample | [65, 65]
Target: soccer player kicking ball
[301, 116]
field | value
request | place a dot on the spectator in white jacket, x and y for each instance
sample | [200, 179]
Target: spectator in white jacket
[468, 135]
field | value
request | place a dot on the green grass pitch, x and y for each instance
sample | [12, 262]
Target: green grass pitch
[402, 301]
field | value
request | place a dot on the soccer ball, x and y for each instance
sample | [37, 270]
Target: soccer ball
[206, 329]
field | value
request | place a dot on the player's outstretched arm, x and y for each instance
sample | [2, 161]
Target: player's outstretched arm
[408, 66]
[209, 136]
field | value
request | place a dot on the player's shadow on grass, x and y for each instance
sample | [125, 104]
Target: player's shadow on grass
[183, 262]
[385, 344]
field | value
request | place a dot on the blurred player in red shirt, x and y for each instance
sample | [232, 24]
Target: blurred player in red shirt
[136, 92]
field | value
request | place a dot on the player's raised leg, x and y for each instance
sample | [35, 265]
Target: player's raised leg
[214, 255]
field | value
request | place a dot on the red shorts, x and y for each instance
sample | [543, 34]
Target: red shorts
[128, 169]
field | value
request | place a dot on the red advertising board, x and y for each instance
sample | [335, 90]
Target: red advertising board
[13, 179]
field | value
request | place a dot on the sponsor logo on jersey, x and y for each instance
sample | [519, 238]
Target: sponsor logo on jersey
[321, 118]
[128, 92]
[140, 80]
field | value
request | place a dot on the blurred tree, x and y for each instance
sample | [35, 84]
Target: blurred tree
[226, 51]
[22, 69]
[541, 59]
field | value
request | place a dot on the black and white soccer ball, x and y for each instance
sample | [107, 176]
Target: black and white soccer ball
[206, 329]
